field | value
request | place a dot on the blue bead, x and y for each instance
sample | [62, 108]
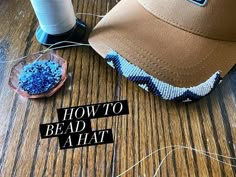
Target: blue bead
[40, 76]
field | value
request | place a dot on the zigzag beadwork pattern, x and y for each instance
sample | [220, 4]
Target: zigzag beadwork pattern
[160, 88]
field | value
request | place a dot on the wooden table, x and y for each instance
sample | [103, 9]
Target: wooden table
[209, 124]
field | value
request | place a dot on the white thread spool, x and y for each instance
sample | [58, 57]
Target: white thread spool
[57, 22]
[55, 16]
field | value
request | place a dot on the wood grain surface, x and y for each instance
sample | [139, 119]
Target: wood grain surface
[209, 124]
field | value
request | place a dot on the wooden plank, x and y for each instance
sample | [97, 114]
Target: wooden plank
[209, 124]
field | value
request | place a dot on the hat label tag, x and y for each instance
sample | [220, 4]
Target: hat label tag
[199, 2]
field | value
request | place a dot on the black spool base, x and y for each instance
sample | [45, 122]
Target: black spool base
[76, 34]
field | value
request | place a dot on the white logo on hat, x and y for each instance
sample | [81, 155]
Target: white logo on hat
[199, 2]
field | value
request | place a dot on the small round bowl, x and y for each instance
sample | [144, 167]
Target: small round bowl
[16, 70]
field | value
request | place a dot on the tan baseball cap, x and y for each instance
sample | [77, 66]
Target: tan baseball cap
[178, 50]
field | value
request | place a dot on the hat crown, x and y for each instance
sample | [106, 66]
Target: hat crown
[214, 19]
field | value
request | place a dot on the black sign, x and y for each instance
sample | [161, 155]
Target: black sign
[93, 111]
[74, 126]
[86, 139]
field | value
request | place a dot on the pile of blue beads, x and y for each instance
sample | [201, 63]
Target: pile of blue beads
[40, 76]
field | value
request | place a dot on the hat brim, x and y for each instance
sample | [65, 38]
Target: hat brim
[165, 52]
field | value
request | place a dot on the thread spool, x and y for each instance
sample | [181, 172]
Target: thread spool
[57, 22]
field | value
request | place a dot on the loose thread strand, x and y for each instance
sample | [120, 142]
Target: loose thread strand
[179, 147]
[73, 44]
[198, 151]
[164, 160]
[90, 14]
